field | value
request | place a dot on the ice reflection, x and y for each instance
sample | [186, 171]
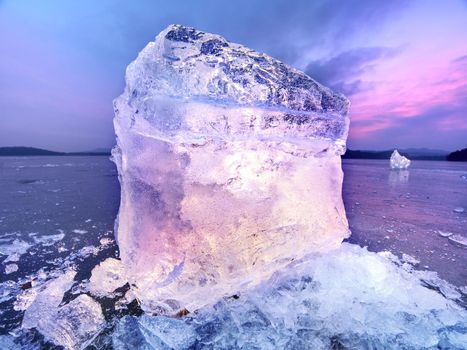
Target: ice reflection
[398, 177]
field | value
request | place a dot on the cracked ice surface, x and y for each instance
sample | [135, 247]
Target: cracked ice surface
[230, 169]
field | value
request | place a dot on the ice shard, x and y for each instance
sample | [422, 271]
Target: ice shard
[229, 163]
[71, 325]
[398, 161]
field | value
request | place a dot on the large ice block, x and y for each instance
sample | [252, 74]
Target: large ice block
[229, 163]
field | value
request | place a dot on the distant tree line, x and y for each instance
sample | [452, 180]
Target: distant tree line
[458, 156]
[31, 151]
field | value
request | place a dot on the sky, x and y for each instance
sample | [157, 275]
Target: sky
[403, 64]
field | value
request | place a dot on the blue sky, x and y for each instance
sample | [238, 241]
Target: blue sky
[403, 64]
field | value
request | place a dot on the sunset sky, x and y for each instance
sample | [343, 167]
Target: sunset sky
[403, 64]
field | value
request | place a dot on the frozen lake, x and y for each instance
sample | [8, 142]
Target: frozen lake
[409, 211]
[59, 211]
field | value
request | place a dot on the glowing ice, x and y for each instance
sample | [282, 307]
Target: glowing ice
[398, 161]
[229, 163]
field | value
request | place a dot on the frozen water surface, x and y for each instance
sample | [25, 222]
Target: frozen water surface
[428, 191]
[345, 298]
[409, 211]
[37, 236]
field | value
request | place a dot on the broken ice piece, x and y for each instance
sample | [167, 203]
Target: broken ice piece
[16, 247]
[76, 323]
[81, 232]
[46, 299]
[444, 233]
[49, 240]
[105, 241]
[458, 240]
[12, 258]
[10, 268]
[410, 259]
[71, 325]
[106, 277]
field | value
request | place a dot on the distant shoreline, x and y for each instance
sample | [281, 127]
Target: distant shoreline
[413, 154]
[351, 154]
[37, 152]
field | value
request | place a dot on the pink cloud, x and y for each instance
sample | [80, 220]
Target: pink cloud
[405, 89]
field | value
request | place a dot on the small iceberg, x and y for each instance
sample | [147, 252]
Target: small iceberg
[398, 161]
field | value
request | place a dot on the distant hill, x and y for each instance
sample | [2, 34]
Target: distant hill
[411, 153]
[351, 154]
[458, 156]
[31, 151]
[99, 150]
[425, 152]
[27, 151]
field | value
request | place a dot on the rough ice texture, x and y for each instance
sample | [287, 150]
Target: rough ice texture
[398, 161]
[345, 299]
[229, 163]
[72, 325]
[10, 268]
[47, 300]
[106, 278]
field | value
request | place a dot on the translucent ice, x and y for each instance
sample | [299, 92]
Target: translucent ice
[445, 233]
[459, 240]
[15, 248]
[398, 161]
[410, 259]
[7, 290]
[10, 268]
[106, 277]
[76, 323]
[346, 299]
[46, 301]
[49, 240]
[229, 163]
[72, 325]
[149, 332]
[12, 258]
